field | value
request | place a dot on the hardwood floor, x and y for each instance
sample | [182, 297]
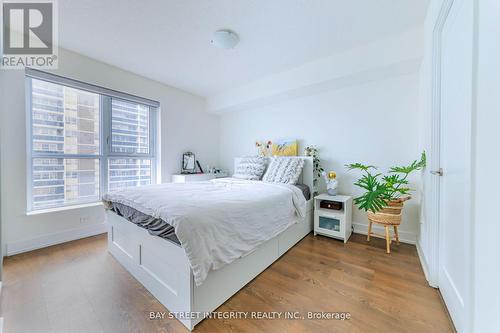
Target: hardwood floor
[79, 287]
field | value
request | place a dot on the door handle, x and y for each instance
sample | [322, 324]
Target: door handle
[437, 172]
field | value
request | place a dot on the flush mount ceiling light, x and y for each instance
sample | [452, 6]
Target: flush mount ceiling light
[225, 39]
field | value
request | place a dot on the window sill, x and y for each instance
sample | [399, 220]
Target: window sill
[62, 209]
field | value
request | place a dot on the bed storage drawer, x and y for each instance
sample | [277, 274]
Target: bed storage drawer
[124, 239]
[161, 266]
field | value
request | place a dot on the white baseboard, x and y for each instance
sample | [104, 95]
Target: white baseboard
[1, 318]
[425, 266]
[404, 236]
[453, 300]
[423, 262]
[56, 238]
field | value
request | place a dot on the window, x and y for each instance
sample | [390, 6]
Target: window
[85, 140]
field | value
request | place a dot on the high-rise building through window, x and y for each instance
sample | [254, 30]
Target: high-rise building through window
[84, 142]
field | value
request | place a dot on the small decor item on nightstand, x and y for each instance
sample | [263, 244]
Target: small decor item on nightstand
[199, 166]
[331, 182]
[188, 163]
[333, 216]
[218, 173]
[328, 204]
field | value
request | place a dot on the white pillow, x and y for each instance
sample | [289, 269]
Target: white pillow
[285, 170]
[250, 168]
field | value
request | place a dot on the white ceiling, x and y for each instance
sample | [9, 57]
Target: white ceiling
[169, 40]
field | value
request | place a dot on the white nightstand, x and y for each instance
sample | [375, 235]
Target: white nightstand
[331, 222]
[192, 177]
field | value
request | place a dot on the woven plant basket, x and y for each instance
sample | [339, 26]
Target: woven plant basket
[391, 214]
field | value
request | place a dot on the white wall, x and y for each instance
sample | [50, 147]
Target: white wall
[357, 106]
[485, 174]
[374, 122]
[184, 126]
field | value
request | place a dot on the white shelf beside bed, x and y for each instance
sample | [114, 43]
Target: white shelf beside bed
[192, 177]
[333, 223]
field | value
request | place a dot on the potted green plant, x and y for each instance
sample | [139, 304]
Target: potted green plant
[381, 191]
[384, 195]
[318, 169]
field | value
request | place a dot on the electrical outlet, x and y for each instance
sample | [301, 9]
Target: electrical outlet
[85, 219]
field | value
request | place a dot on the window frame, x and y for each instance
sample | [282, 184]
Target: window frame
[105, 128]
[108, 151]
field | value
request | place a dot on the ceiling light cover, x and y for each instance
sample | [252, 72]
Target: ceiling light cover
[225, 39]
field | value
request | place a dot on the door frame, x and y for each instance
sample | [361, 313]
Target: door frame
[433, 202]
[435, 144]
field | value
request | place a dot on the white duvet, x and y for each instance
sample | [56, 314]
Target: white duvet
[218, 221]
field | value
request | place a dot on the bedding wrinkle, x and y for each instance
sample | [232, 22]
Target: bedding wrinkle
[218, 221]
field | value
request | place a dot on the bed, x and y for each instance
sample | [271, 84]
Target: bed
[189, 283]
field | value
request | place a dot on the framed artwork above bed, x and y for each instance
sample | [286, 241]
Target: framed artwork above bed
[285, 148]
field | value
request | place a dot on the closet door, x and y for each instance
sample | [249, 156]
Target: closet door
[455, 224]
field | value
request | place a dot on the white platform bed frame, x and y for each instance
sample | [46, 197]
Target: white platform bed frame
[169, 278]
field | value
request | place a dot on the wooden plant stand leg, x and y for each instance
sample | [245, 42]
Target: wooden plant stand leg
[388, 239]
[396, 234]
[369, 231]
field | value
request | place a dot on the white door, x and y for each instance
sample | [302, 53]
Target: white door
[455, 160]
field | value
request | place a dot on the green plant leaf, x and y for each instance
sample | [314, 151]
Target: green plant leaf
[374, 197]
[415, 165]
[359, 166]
